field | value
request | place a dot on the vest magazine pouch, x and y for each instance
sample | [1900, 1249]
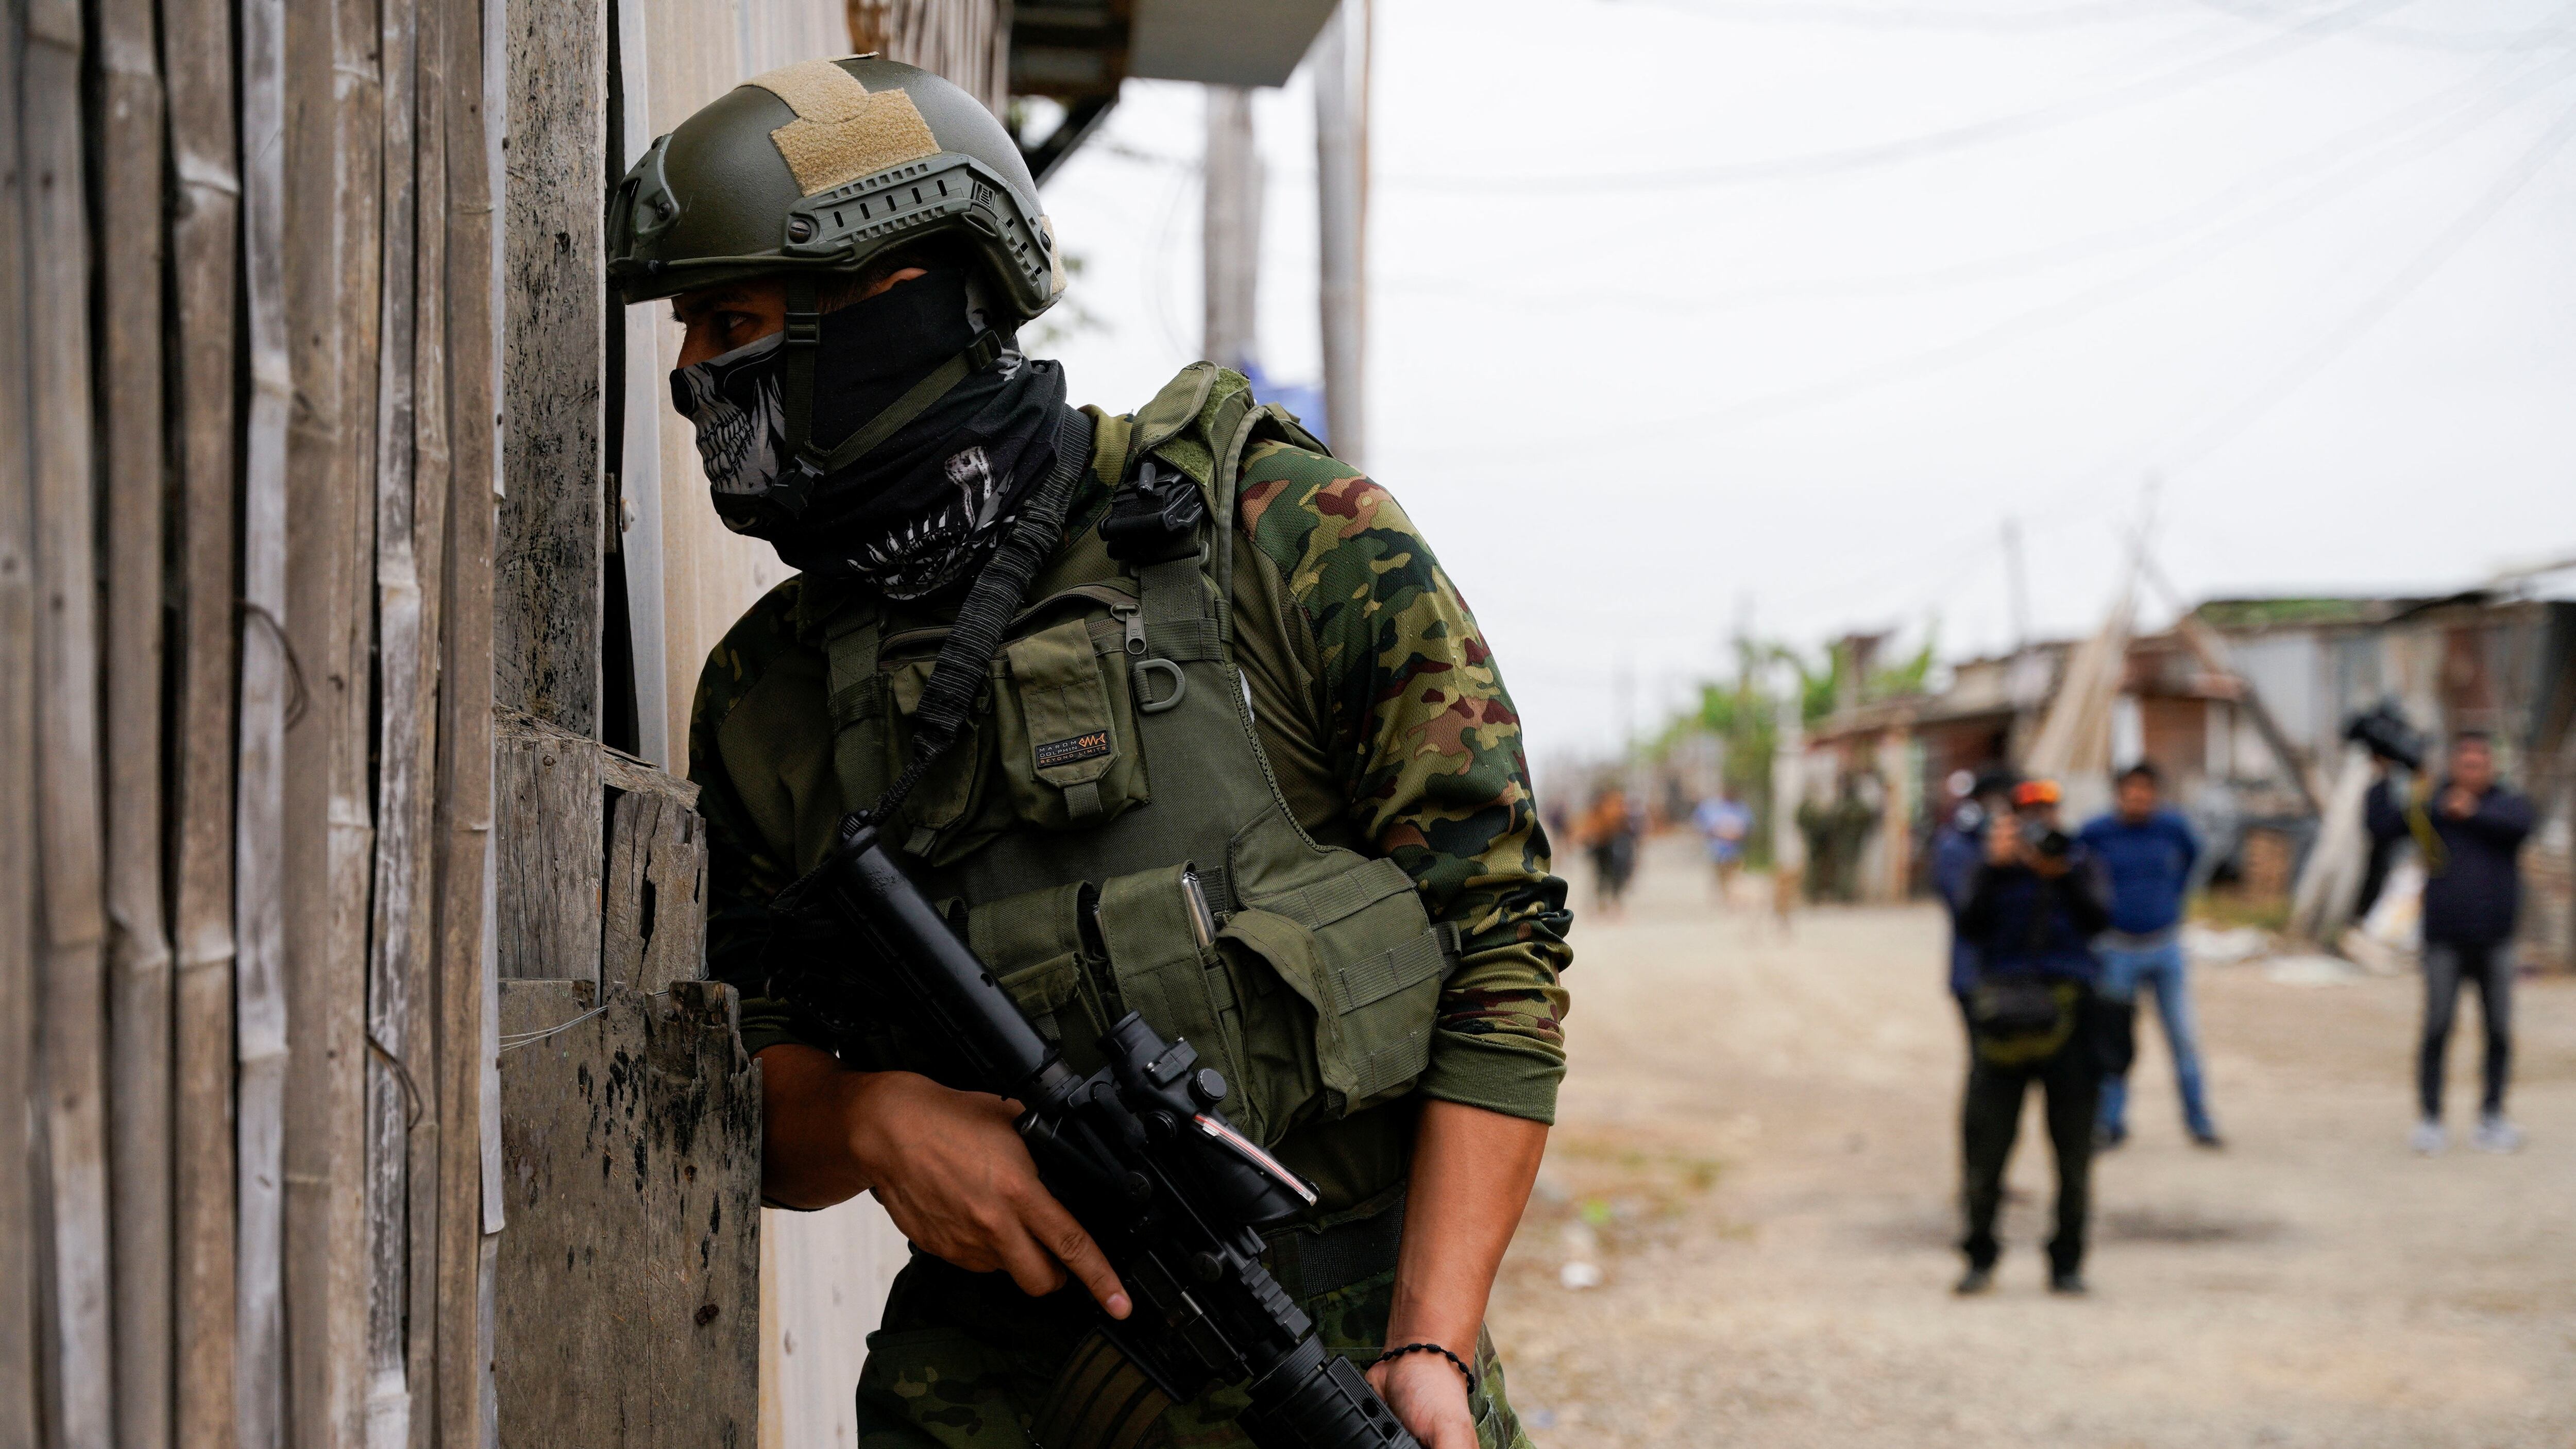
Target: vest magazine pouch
[1150, 931]
[1065, 717]
[945, 816]
[1360, 949]
[1041, 952]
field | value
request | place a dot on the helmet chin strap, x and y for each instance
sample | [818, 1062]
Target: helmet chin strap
[812, 460]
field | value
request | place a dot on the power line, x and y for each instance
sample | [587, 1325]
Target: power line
[2072, 251]
[1872, 156]
[2418, 37]
[2207, 248]
[1921, 18]
[2358, 324]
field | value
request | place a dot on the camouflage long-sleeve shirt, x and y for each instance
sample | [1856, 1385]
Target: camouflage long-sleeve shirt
[1387, 725]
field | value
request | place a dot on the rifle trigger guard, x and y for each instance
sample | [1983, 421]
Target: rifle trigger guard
[1145, 704]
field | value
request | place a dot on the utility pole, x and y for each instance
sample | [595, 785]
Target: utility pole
[2019, 582]
[1341, 62]
[1231, 230]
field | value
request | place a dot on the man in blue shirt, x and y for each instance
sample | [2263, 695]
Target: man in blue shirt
[2146, 852]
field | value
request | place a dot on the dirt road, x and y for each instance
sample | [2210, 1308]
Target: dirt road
[1757, 1150]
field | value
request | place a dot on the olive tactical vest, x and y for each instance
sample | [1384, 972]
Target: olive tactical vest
[1111, 831]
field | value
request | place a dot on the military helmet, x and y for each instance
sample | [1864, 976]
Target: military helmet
[818, 167]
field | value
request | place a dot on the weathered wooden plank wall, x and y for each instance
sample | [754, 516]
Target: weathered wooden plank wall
[193, 903]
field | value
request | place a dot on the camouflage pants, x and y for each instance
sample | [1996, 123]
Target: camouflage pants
[964, 1360]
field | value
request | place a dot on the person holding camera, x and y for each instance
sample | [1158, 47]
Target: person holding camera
[2146, 853]
[2032, 913]
[2468, 831]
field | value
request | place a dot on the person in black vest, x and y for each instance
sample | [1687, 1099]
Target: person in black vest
[2037, 903]
[2468, 832]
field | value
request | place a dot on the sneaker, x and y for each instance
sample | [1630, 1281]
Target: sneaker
[2069, 1282]
[2495, 1134]
[2429, 1139]
[1975, 1281]
[2207, 1137]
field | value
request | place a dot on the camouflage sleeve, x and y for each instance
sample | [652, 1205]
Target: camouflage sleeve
[743, 873]
[1429, 752]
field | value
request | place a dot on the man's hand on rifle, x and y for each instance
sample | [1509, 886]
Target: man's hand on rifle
[946, 1165]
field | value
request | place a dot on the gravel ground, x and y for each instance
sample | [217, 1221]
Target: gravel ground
[1756, 1151]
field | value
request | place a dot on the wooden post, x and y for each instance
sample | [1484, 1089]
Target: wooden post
[260, 1021]
[19, 1258]
[1341, 64]
[547, 568]
[204, 241]
[72, 1042]
[602, 1285]
[130, 306]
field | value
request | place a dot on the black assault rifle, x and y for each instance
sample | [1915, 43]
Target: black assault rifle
[1138, 1152]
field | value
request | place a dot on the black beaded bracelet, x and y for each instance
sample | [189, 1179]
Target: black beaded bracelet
[1454, 1360]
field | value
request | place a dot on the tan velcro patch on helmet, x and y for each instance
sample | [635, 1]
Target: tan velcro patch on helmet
[842, 131]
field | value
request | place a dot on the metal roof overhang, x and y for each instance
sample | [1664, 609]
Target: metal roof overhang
[1076, 52]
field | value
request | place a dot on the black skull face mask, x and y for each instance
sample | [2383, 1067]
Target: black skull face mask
[733, 400]
[916, 515]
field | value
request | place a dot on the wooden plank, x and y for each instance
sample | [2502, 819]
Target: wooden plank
[330, 273]
[549, 835]
[204, 241]
[617, 1130]
[653, 921]
[19, 1256]
[548, 567]
[69, 831]
[429, 505]
[464, 824]
[400, 924]
[259, 1001]
[130, 311]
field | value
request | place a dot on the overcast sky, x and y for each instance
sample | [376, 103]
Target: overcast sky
[1693, 307]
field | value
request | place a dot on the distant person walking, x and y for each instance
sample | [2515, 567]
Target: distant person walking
[2146, 853]
[2468, 832]
[2031, 914]
[1609, 833]
[1724, 824]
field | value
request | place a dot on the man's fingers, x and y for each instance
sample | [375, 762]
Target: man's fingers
[1028, 1264]
[1074, 1248]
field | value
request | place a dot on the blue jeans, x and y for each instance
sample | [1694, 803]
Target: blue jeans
[2160, 969]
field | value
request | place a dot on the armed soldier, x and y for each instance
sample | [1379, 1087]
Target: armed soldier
[1241, 762]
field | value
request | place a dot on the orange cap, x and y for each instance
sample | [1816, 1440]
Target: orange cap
[2035, 792]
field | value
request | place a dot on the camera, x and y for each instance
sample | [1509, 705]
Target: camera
[2384, 732]
[2045, 841]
